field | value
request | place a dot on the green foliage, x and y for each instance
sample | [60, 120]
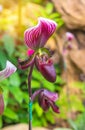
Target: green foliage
[54, 15]
[3, 59]
[15, 89]
[16, 22]
[72, 101]
[8, 44]
[79, 124]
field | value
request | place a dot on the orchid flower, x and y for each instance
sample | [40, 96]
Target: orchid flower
[68, 42]
[69, 36]
[35, 38]
[46, 99]
[10, 69]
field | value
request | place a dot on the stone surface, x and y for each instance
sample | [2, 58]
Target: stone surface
[22, 127]
[74, 66]
[78, 58]
[72, 12]
[62, 129]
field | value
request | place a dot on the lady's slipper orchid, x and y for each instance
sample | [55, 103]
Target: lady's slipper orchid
[68, 43]
[10, 68]
[35, 38]
[46, 99]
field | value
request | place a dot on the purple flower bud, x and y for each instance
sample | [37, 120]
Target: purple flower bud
[10, 68]
[36, 37]
[1, 104]
[47, 99]
[46, 68]
[69, 36]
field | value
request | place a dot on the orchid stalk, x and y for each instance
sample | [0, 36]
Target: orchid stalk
[66, 48]
[35, 38]
[10, 69]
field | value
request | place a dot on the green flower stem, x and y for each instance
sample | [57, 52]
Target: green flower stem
[67, 92]
[30, 96]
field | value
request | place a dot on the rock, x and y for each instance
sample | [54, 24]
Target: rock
[80, 37]
[72, 12]
[39, 128]
[62, 129]
[78, 58]
[16, 127]
[74, 66]
[22, 127]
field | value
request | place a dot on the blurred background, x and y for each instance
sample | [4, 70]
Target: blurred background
[15, 17]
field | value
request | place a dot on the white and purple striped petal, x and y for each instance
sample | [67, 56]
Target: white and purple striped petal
[10, 68]
[37, 36]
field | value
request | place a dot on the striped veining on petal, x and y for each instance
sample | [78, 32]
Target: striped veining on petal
[32, 36]
[48, 28]
[37, 36]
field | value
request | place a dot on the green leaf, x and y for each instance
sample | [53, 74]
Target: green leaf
[2, 59]
[6, 94]
[49, 8]
[10, 114]
[54, 15]
[38, 109]
[80, 85]
[37, 75]
[73, 125]
[14, 80]
[8, 44]
[59, 80]
[51, 119]
[48, 85]
[17, 93]
[35, 84]
[76, 103]
[1, 123]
